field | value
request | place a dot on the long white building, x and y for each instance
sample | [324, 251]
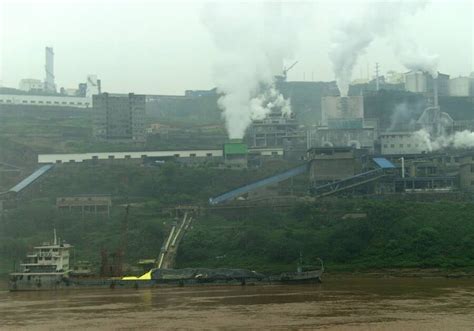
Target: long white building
[45, 100]
[81, 157]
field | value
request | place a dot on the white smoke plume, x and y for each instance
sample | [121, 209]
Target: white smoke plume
[253, 40]
[353, 36]
[458, 140]
[415, 58]
[404, 117]
[265, 102]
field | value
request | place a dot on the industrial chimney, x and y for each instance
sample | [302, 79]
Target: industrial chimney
[49, 84]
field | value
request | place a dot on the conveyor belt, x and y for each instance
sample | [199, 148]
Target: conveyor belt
[258, 184]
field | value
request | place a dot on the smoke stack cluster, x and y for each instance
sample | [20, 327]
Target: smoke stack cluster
[254, 41]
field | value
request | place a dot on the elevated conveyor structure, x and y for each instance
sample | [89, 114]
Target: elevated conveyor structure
[235, 193]
[355, 181]
[31, 178]
[170, 248]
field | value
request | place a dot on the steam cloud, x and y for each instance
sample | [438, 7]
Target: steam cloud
[413, 57]
[404, 116]
[459, 140]
[353, 36]
[253, 46]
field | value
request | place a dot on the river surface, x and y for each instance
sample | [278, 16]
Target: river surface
[337, 304]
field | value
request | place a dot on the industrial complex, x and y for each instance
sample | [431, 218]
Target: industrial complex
[353, 144]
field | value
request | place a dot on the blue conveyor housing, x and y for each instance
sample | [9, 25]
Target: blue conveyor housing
[31, 178]
[258, 184]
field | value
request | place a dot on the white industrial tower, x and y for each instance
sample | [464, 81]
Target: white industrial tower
[49, 85]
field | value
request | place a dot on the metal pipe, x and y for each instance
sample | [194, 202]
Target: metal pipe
[403, 167]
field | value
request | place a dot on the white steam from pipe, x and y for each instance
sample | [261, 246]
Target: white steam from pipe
[458, 140]
[352, 37]
[253, 40]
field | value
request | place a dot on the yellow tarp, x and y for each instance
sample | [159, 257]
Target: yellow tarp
[146, 276]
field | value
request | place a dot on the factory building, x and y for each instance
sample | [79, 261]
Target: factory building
[342, 112]
[422, 82]
[119, 118]
[351, 137]
[466, 172]
[415, 81]
[401, 143]
[34, 92]
[342, 124]
[45, 100]
[275, 131]
[235, 154]
[331, 164]
[30, 84]
[133, 157]
[461, 87]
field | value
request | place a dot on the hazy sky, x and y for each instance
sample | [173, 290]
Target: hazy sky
[162, 47]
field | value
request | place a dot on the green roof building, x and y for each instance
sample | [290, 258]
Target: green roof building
[235, 154]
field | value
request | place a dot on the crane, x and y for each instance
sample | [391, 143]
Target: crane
[285, 70]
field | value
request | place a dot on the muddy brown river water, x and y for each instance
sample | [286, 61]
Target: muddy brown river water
[338, 304]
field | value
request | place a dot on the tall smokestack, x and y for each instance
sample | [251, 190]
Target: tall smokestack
[49, 70]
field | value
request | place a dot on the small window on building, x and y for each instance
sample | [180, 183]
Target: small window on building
[9, 101]
[176, 155]
[456, 159]
[417, 145]
[48, 102]
[392, 145]
[111, 157]
[25, 101]
[1, 100]
[274, 153]
[56, 102]
[408, 145]
[71, 103]
[40, 101]
[401, 145]
[192, 155]
[128, 157]
[79, 103]
[472, 167]
[208, 154]
[64, 103]
[32, 101]
[385, 146]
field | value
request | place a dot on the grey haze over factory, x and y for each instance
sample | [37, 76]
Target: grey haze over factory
[164, 47]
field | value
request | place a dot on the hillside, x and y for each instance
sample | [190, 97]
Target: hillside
[349, 234]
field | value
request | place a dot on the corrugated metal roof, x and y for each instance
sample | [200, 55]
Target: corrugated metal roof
[31, 178]
[383, 163]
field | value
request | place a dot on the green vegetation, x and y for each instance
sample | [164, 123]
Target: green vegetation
[394, 234]
[349, 234]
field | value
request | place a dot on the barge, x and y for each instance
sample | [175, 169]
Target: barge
[48, 268]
